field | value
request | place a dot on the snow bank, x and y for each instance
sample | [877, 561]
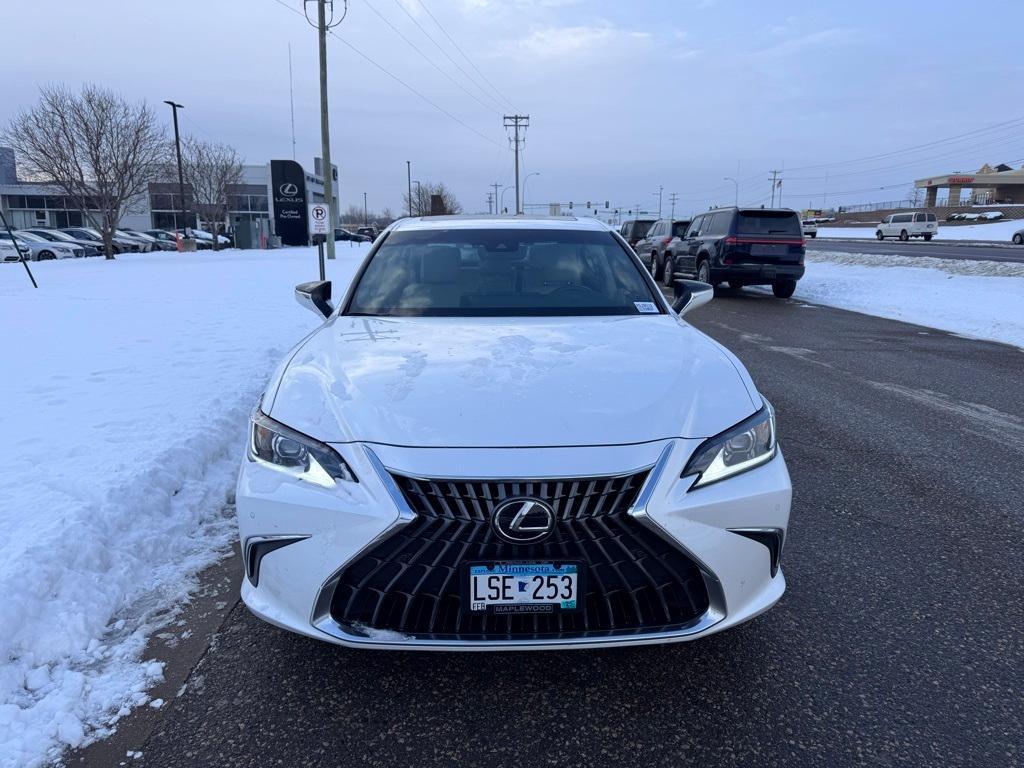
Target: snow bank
[999, 231]
[980, 299]
[124, 406]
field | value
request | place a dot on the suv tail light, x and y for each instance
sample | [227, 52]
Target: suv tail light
[666, 240]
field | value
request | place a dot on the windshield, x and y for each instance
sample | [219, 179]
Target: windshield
[502, 272]
[768, 223]
[29, 237]
[640, 229]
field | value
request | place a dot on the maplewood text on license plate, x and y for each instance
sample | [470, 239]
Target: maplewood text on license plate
[523, 587]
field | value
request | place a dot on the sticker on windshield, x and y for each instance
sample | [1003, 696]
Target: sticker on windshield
[647, 307]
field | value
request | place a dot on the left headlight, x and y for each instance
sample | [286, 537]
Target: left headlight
[745, 446]
[296, 454]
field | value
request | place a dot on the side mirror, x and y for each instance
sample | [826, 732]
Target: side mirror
[315, 296]
[690, 294]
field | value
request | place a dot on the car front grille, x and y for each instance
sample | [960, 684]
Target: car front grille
[411, 582]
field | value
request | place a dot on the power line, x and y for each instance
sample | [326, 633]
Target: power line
[429, 60]
[399, 80]
[468, 60]
[914, 148]
[458, 66]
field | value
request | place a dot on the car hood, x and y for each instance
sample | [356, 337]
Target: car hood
[482, 382]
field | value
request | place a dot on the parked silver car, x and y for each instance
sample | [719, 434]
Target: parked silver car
[43, 250]
[56, 236]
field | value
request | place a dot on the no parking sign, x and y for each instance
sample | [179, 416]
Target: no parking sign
[319, 219]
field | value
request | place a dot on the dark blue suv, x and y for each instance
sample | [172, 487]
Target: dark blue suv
[745, 246]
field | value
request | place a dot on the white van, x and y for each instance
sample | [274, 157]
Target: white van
[908, 225]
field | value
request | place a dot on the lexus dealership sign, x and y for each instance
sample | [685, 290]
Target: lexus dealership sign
[288, 184]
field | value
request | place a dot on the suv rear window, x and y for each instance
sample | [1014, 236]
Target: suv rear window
[768, 223]
[639, 229]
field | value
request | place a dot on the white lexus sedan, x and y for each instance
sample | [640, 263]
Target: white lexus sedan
[504, 437]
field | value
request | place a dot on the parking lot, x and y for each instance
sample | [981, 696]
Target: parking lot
[897, 643]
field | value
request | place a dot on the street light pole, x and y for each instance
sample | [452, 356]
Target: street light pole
[737, 184]
[535, 173]
[408, 178]
[181, 176]
[658, 193]
[366, 218]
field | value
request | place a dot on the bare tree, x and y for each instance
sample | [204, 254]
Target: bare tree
[421, 199]
[210, 170]
[914, 196]
[99, 149]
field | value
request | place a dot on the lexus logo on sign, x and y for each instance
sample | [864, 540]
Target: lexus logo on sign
[288, 189]
[523, 521]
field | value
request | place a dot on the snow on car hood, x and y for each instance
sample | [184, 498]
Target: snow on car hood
[516, 382]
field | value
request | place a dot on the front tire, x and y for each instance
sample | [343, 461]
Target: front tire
[736, 285]
[928, 238]
[904, 236]
[879, 235]
[704, 271]
[47, 256]
[669, 271]
[783, 289]
[814, 234]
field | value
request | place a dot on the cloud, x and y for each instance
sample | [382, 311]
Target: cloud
[569, 42]
[804, 42]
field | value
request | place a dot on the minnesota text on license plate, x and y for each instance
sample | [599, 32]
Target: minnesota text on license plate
[524, 587]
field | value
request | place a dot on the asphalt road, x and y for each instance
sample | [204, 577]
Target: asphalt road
[936, 248]
[899, 641]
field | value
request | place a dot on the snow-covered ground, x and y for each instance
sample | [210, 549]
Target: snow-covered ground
[980, 299]
[996, 231]
[125, 393]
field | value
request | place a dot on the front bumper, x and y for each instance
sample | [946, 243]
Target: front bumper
[325, 530]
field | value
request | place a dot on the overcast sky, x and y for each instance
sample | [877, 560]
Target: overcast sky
[622, 96]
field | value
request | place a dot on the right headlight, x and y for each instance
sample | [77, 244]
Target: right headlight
[745, 446]
[293, 453]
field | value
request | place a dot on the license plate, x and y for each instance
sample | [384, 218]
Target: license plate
[768, 250]
[520, 587]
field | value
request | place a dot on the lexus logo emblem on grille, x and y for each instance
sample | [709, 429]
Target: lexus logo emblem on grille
[523, 521]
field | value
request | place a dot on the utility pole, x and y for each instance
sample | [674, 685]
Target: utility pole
[515, 122]
[660, 190]
[490, 200]
[736, 184]
[408, 178]
[775, 178]
[366, 217]
[672, 198]
[291, 96]
[323, 23]
[181, 176]
[496, 185]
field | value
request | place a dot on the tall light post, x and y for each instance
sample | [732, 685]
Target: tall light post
[408, 178]
[659, 193]
[737, 184]
[181, 176]
[366, 218]
[535, 173]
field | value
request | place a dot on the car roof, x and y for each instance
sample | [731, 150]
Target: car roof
[499, 222]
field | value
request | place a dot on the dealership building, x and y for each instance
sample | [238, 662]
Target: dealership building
[271, 199]
[990, 185]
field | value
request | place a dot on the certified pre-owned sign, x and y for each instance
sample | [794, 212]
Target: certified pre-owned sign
[288, 183]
